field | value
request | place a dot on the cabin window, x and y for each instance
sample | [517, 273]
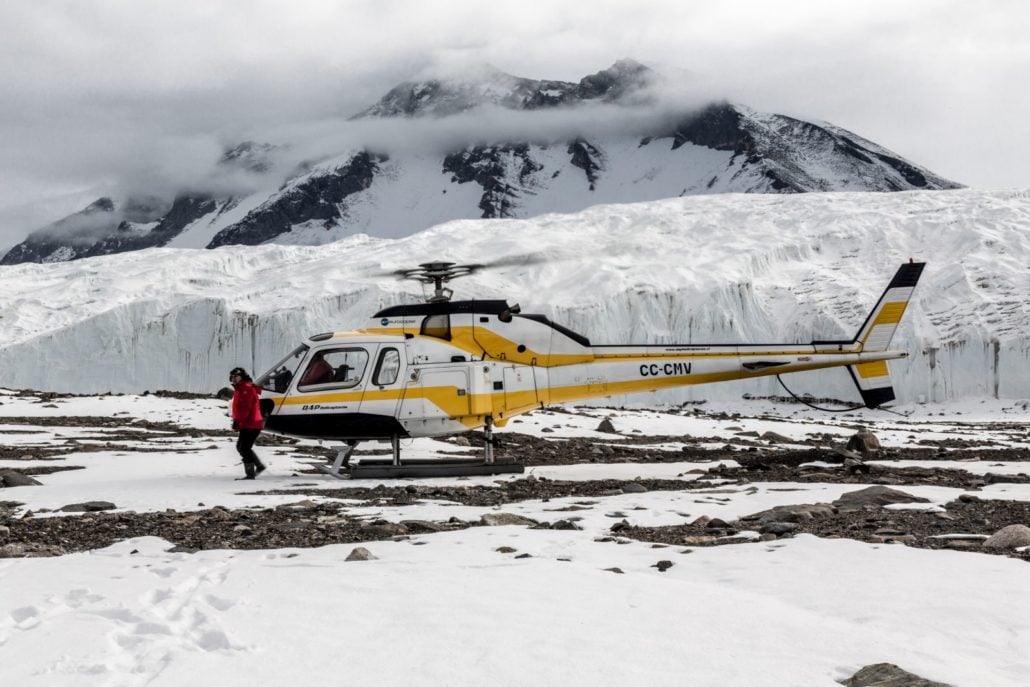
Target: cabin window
[438, 326]
[387, 368]
[334, 368]
[279, 377]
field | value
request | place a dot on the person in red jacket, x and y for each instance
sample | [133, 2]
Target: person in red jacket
[247, 420]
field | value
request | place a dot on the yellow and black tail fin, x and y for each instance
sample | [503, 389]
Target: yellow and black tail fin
[873, 378]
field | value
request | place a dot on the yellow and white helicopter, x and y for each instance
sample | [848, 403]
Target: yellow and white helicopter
[444, 367]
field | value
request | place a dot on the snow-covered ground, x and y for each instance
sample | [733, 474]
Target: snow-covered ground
[713, 269]
[451, 608]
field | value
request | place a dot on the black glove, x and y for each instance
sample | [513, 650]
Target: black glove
[235, 426]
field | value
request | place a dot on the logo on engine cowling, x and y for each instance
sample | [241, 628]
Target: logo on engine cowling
[385, 321]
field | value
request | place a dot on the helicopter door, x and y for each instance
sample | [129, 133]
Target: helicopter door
[384, 386]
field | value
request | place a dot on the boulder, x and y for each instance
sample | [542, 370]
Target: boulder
[13, 551]
[13, 478]
[88, 507]
[427, 525]
[633, 488]
[792, 514]
[778, 528]
[360, 553]
[606, 426]
[887, 675]
[877, 496]
[384, 530]
[775, 438]
[501, 519]
[1008, 538]
[865, 443]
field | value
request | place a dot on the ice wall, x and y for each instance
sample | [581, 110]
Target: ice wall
[727, 269]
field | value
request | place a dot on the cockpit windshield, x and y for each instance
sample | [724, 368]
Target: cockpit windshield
[279, 377]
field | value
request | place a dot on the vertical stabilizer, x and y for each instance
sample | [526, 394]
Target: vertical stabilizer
[873, 378]
[878, 330]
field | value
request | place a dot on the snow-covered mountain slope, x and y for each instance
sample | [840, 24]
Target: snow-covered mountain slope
[709, 269]
[531, 147]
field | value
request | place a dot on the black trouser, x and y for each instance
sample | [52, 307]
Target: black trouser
[245, 445]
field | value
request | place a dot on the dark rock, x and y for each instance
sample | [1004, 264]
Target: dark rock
[181, 549]
[856, 467]
[13, 478]
[504, 549]
[88, 507]
[876, 496]
[865, 443]
[633, 488]
[424, 525]
[778, 528]
[614, 570]
[385, 530]
[775, 438]
[887, 675]
[792, 514]
[606, 426]
[663, 565]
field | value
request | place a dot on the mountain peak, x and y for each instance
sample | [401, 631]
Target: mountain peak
[456, 90]
[620, 79]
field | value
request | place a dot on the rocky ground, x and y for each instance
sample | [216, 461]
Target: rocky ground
[965, 523]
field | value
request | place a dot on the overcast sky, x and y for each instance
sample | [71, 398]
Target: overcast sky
[95, 92]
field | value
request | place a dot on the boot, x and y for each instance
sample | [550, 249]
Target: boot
[250, 470]
[259, 467]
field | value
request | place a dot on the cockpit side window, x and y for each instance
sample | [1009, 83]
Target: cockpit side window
[279, 377]
[387, 368]
[334, 368]
[438, 326]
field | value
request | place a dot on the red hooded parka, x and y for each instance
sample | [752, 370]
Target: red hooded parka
[246, 410]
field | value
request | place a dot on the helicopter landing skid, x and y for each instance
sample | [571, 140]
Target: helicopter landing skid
[374, 468]
[367, 469]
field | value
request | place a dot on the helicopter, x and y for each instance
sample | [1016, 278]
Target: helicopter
[446, 366]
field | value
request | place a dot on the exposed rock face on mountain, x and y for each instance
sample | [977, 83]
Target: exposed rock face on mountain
[439, 97]
[719, 148]
[318, 198]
